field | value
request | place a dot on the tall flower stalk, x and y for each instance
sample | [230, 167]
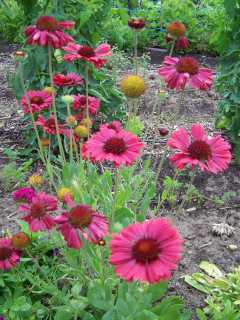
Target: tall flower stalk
[60, 145]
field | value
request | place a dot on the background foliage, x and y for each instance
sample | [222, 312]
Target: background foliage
[228, 78]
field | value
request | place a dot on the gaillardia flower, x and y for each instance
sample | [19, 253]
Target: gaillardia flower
[176, 29]
[209, 153]
[48, 125]
[68, 80]
[147, 252]
[181, 72]
[119, 147]
[36, 100]
[81, 220]
[132, 86]
[63, 192]
[24, 194]
[38, 212]
[80, 104]
[35, 180]
[136, 24]
[114, 125]
[48, 32]
[9, 257]
[97, 56]
[182, 43]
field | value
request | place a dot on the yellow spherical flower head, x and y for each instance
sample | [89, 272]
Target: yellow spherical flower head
[49, 90]
[133, 86]
[71, 121]
[87, 122]
[81, 131]
[20, 240]
[35, 180]
[62, 192]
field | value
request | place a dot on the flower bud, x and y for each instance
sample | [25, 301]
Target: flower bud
[20, 240]
[67, 99]
[49, 90]
[87, 122]
[35, 180]
[81, 131]
[62, 192]
[71, 121]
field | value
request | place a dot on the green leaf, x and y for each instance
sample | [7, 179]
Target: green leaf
[201, 315]
[63, 313]
[157, 290]
[211, 269]
[189, 280]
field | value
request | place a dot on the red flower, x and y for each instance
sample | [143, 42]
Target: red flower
[81, 220]
[136, 24]
[114, 125]
[182, 43]
[48, 32]
[39, 100]
[121, 148]
[38, 211]
[147, 251]
[49, 125]
[95, 56]
[71, 79]
[210, 154]
[9, 257]
[80, 104]
[180, 72]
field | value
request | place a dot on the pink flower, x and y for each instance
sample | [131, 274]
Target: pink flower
[24, 194]
[49, 125]
[182, 43]
[121, 148]
[81, 220]
[38, 100]
[180, 72]
[147, 251]
[97, 56]
[211, 154]
[80, 104]
[38, 211]
[114, 125]
[9, 257]
[48, 32]
[71, 79]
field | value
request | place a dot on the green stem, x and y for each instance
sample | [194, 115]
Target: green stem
[87, 95]
[116, 188]
[136, 51]
[71, 135]
[54, 106]
[172, 47]
[185, 198]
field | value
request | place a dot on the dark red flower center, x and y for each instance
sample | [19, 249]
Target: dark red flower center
[188, 65]
[38, 210]
[37, 100]
[146, 250]
[80, 216]
[50, 123]
[86, 51]
[83, 101]
[5, 253]
[136, 23]
[47, 23]
[115, 145]
[200, 150]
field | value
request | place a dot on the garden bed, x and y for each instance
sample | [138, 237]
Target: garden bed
[196, 221]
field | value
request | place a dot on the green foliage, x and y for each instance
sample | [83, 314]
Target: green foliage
[223, 292]
[228, 116]
[12, 176]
